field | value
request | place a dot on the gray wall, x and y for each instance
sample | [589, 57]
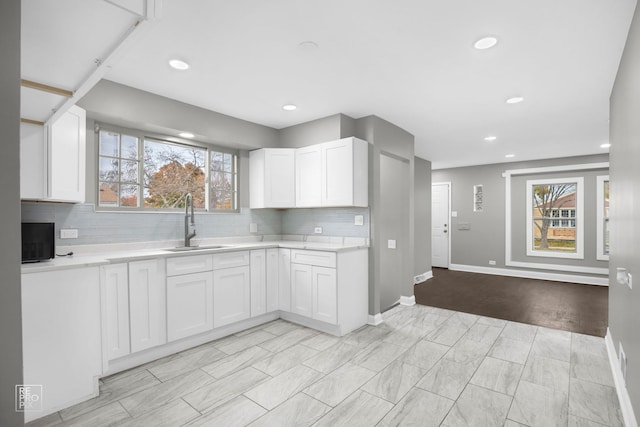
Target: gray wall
[624, 322]
[313, 132]
[10, 303]
[422, 220]
[486, 239]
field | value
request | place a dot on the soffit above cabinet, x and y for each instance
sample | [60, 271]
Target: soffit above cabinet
[65, 43]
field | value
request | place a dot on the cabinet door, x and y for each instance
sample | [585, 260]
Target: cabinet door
[284, 279]
[337, 173]
[114, 286]
[231, 295]
[189, 305]
[272, 279]
[325, 293]
[258, 282]
[147, 307]
[33, 166]
[302, 289]
[66, 151]
[308, 176]
[279, 178]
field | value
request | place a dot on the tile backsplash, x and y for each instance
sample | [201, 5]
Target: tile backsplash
[124, 227]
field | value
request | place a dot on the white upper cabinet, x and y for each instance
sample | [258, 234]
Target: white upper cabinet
[344, 173]
[53, 159]
[308, 176]
[272, 178]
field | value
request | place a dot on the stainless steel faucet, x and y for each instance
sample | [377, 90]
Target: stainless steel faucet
[189, 223]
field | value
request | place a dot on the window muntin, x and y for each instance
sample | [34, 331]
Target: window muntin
[602, 217]
[554, 218]
[137, 172]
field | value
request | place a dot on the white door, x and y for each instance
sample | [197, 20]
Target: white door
[440, 225]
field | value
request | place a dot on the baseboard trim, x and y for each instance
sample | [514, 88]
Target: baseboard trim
[408, 300]
[375, 319]
[423, 277]
[623, 395]
[572, 278]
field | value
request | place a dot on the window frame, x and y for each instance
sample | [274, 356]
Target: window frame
[142, 135]
[578, 218]
[600, 217]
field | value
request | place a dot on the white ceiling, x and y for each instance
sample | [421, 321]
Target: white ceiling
[411, 62]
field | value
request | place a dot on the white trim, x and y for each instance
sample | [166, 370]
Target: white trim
[600, 180]
[423, 277]
[562, 168]
[559, 267]
[374, 319]
[579, 218]
[411, 300]
[541, 275]
[449, 189]
[623, 395]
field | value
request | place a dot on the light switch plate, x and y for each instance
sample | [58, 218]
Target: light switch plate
[317, 230]
[69, 233]
[391, 244]
[359, 220]
[454, 214]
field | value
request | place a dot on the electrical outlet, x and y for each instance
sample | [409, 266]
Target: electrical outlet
[317, 230]
[69, 233]
[492, 262]
[359, 220]
[391, 244]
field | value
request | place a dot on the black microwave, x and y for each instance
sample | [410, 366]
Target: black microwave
[38, 241]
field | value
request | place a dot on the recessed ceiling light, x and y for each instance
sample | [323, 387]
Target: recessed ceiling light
[289, 107]
[490, 138]
[308, 45]
[515, 100]
[485, 43]
[186, 134]
[178, 64]
[605, 145]
[508, 156]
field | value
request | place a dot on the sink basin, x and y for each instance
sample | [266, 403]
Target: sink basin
[193, 248]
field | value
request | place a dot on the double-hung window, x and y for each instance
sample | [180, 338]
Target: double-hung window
[138, 172]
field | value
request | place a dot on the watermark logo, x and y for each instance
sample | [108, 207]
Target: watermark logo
[28, 398]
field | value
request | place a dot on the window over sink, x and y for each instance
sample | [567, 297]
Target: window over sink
[140, 172]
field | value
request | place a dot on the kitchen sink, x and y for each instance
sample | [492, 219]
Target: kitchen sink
[194, 248]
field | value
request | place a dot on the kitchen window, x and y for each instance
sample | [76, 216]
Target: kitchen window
[554, 218]
[602, 217]
[138, 172]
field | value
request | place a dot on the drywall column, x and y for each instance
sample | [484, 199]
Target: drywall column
[422, 219]
[10, 303]
[624, 174]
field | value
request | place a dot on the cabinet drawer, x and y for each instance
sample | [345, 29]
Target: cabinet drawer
[319, 258]
[230, 259]
[189, 264]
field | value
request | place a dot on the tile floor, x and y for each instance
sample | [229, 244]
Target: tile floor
[423, 366]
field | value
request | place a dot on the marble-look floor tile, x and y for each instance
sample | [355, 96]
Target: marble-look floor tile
[581, 343]
[367, 335]
[161, 394]
[546, 372]
[105, 416]
[465, 357]
[214, 394]
[237, 412]
[299, 411]
[428, 322]
[482, 320]
[236, 362]
[594, 402]
[424, 354]
[281, 327]
[285, 360]
[377, 355]
[397, 320]
[418, 408]
[276, 390]
[581, 422]
[538, 406]
[245, 341]
[394, 381]
[519, 332]
[591, 367]
[552, 344]
[465, 319]
[447, 378]
[478, 407]
[361, 409]
[510, 350]
[189, 362]
[339, 384]
[51, 420]
[173, 414]
[405, 336]
[321, 341]
[511, 423]
[332, 358]
[498, 375]
[447, 333]
[288, 339]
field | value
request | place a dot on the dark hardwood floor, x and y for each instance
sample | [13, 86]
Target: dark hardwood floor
[567, 306]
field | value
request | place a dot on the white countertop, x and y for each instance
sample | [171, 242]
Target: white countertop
[96, 255]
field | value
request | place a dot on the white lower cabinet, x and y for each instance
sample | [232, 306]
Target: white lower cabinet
[272, 278]
[258, 282]
[147, 304]
[189, 305]
[231, 288]
[114, 291]
[302, 289]
[314, 292]
[61, 336]
[284, 279]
